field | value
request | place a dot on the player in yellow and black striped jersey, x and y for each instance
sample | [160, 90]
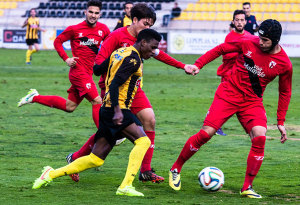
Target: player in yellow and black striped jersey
[126, 20]
[32, 25]
[116, 120]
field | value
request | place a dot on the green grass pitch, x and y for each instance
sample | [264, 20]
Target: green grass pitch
[34, 136]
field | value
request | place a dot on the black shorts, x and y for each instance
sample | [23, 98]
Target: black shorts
[109, 130]
[30, 42]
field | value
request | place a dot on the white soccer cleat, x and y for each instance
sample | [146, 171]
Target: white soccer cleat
[120, 141]
[28, 98]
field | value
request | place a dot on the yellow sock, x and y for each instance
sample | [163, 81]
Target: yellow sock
[28, 54]
[135, 160]
[77, 166]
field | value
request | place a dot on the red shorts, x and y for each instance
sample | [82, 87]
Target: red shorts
[228, 102]
[82, 86]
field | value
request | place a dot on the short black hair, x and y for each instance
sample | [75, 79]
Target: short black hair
[236, 12]
[148, 34]
[246, 3]
[94, 3]
[127, 2]
[142, 10]
[272, 30]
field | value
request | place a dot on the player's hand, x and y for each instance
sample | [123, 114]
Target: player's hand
[191, 69]
[282, 130]
[71, 61]
[118, 116]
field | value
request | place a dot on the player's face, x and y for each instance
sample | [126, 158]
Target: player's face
[239, 22]
[127, 9]
[142, 24]
[247, 9]
[148, 48]
[265, 44]
[33, 13]
[92, 15]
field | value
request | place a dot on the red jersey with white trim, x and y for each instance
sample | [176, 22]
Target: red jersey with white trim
[85, 42]
[122, 38]
[254, 70]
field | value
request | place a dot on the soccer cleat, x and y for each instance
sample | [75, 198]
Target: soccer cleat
[220, 132]
[150, 176]
[120, 141]
[28, 98]
[174, 180]
[74, 177]
[128, 191]
[43, 179]
[250, 193]
[28, 63]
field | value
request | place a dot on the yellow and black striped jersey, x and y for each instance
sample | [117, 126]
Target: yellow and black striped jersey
[32, 28]
[123, 22]
[125, 71]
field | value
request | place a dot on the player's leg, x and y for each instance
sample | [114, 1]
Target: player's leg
[142, 108]
[28, 52]
[254, 121]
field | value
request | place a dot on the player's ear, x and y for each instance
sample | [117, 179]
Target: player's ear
[135, 20]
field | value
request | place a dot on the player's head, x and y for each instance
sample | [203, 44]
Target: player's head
[127, 8]
[143, 16]
[92, 12]
[247, 8]
[32, 12]
[239, 20]
[147, 42]
[269, 34]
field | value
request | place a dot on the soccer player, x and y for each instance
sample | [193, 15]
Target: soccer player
[262, 59]
[143, 17]
[251, 25]
[86, 38]
[116, 120]
[32, 39]
[126, 20]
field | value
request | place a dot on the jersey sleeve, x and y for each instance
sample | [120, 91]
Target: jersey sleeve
[165, 58]
[109, 45]
[129, 66]
[66, 35]
[217, 51]
[285, 92]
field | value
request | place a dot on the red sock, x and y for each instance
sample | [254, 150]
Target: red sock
[190, 148]
[146, 163]
[51, 101]
[96, 109]
[254, 161]
[85, 149]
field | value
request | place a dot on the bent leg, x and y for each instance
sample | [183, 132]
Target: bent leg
[52, 101]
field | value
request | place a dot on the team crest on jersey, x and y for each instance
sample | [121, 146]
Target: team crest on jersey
[133, 61]
[272, 64]
[249, 54]
[88, 85]
[80, 35]
[100, 33]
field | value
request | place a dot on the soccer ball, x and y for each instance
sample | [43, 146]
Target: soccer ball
[211, 179]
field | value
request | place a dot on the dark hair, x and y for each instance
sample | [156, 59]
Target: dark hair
[94, 3]
[236, 12]
[271, 29]
[246, 3]
[148, 34]
[142, 10]
[127, 2]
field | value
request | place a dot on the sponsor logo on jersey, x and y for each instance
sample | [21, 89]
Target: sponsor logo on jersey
[272, 64]
[88, 85]
[118, 57]
[249, 54]
[255, 70]
[89, 42]
[133, 61]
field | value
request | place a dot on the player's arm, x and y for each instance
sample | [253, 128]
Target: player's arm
[217, 51]
[25, 23]
[66, 35]
[102, 68]
[127, 68]
[285, 92]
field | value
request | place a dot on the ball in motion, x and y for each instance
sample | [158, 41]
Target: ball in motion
[211, 179]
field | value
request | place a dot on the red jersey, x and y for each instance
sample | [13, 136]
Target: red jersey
[85, 42]
[122, 38]
[254, 70]
[230, 58]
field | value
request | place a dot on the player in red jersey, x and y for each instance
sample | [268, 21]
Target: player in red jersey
[86, 38]
[143, 16]
[224, 70]
[262, 59]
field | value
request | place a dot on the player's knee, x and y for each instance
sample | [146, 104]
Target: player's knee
[143, 141]
[95, 160]
[149, 124]
[70, 109]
